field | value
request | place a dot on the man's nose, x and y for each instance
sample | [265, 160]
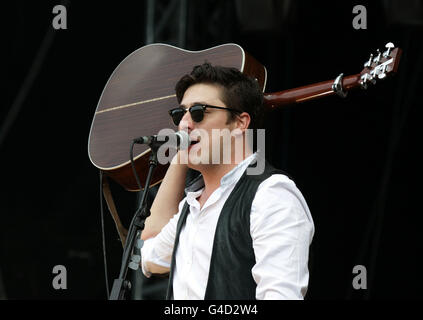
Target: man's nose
[186, 123]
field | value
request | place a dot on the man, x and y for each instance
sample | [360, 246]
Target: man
[234, 235]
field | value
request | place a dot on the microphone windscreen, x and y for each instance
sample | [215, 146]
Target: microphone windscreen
[183, 140]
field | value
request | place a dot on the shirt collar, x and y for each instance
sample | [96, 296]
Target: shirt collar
[235, 174]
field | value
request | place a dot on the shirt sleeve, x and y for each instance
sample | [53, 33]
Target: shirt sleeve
[282, 230]
[158, 250]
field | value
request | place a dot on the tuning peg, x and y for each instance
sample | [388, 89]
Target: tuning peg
[365, 80]
[389, 46]
[368, 63]
[382, 74]
[377, 59]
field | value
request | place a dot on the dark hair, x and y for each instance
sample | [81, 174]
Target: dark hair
[239, 91]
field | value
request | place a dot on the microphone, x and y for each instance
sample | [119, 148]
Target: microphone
[180, 140]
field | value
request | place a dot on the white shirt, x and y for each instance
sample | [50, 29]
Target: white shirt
[281, 228]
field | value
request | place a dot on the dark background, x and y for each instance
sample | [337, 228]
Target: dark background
[356, 160]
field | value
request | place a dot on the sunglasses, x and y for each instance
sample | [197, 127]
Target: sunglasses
[196, 112]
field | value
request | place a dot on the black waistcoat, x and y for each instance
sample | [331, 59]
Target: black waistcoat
[232, 256]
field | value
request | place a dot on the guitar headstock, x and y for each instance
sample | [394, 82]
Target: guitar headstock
[380, 65]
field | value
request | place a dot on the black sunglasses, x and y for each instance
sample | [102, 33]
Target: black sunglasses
[196, 112]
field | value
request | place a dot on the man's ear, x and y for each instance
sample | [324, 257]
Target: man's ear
[243, 121]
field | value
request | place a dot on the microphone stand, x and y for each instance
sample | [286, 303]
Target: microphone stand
[121, 285]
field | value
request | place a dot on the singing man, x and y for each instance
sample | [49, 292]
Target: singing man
[230, 234]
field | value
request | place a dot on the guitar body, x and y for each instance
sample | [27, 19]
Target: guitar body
[137, 97]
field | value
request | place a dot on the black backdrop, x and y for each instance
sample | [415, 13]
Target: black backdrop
[356, 160]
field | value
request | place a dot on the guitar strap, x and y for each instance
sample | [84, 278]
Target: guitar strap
[112, 209]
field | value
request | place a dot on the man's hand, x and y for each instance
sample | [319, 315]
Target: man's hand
[170, 193]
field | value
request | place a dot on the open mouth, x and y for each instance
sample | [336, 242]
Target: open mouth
[194, 142]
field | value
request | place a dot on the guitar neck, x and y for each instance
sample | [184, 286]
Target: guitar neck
[309, 92]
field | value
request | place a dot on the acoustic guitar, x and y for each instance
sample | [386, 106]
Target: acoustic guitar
[140, 91]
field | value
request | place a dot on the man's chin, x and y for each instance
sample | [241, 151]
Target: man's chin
[202, 164]
[196, 163]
